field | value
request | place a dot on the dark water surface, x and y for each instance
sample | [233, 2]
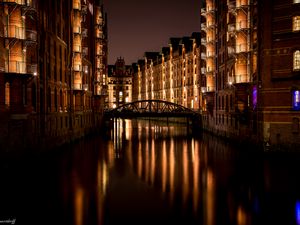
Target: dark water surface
[145, 172]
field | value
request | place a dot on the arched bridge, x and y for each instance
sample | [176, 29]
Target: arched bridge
[151, 108]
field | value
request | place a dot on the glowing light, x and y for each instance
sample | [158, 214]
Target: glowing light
[297, 211]
[296, 99]
[254, 97]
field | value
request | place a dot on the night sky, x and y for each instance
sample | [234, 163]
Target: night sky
[137, 26]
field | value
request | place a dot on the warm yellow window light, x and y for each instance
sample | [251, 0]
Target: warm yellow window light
[296, 23]
[296, 60]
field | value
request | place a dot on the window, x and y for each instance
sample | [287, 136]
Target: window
[296, 23]
[296, 99]
[254, 97]
[296, 1]
[296, 60]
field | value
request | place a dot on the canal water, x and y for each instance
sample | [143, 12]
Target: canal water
[150, 172]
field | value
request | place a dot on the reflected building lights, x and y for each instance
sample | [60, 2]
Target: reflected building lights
[78, 206]
[127, 128]
[147, 160]
[152, 176]
[140, 161]
[110, 154]
[104, 178]
[241, 216]
[172, 166]
[164, 167]
[140, 130]
[102, 182]
[210, 198]
[185, 174]
[196, 167]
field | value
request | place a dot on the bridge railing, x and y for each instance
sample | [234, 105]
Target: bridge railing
[153, 107]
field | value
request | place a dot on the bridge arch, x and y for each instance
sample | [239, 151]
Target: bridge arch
[158, 107]
[154, 108]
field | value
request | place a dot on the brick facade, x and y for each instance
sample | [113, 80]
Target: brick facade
[51, 91]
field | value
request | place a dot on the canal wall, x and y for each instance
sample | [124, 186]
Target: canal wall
[23, 134]
[238, 132]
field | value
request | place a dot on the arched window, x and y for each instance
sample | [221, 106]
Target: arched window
[7, 94]
[296, 23]
[296, 60]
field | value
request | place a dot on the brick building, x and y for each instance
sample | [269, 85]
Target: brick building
[250, 54]
[53, 70]
[278, 84]
[172, 74]
[241, 71]
[119, 84]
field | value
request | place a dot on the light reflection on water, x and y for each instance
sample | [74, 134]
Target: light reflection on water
[169, 159]
[151, 172]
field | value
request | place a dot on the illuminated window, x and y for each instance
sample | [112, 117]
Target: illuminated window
[296, 1]
[296, 100]
[296, 23]
[7, 94]
[296, 60]
[254, 97]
